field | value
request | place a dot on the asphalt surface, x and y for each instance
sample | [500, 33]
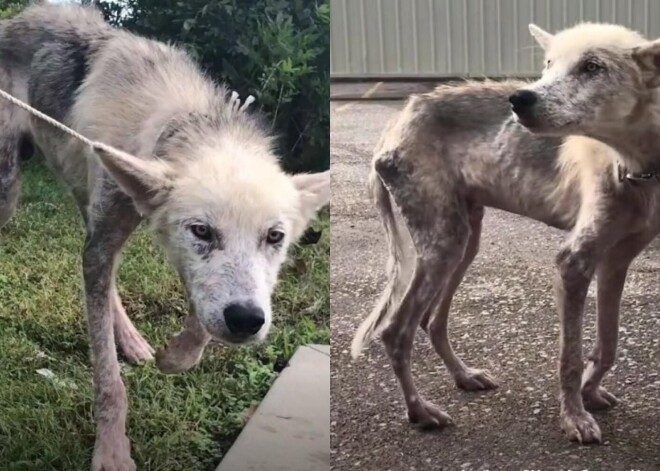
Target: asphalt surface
[503, 319]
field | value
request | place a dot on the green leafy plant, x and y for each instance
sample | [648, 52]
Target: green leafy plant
[276, 50]
[11, 8]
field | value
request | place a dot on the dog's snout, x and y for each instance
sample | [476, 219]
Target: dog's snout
[523, 100]
[244, 319]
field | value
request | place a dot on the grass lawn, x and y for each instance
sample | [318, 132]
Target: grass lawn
[181, 422]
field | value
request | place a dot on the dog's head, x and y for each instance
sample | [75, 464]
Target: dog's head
[595, 79]
[226, 214]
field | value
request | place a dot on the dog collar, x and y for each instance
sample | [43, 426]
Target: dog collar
[639, 177]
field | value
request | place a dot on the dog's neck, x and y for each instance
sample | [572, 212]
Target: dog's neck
[639, 142]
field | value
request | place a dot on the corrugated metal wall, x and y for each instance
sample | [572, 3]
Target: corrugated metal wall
[451, 38]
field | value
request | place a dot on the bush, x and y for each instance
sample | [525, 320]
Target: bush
[11, 8]
[276, 50]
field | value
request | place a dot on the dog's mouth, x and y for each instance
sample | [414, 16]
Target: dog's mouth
[526, 121]
[542, 127]
[224, 336]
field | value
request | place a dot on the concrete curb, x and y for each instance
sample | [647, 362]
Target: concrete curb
[290, 431]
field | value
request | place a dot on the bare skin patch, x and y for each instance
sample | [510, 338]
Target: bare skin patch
[121, 92]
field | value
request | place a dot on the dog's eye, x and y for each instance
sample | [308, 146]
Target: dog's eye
[274, 236]
[548, 63]
[591, 67]
[201, 231]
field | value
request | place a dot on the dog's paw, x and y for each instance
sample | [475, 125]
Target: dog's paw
[475, 380]
[172, 361]
[426, 415]
[581, 427]
[184, 350]
[134, 347]
[181, 354]
[598, 399]
[112, 454]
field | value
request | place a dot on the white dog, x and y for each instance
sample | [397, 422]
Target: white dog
[192, 162]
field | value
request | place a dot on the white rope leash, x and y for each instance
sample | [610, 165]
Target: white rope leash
[48, 119]
[53, 122]
[234, 103]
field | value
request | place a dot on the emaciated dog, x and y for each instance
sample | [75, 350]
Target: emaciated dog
[200, 169]
[581, 152]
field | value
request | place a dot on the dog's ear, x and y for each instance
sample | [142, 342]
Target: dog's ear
[647, 57]
[314, 193]
[542, 37]
[147, 182]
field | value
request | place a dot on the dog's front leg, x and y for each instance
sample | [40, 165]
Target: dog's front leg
[185, 349]
[611, 276]
[105, 238]
[575, 267]
[610, 288]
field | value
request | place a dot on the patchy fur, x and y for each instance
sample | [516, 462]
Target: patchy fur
[458, 149]
[197, 166]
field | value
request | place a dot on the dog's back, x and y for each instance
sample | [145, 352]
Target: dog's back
[108, 84]
[134, 86]
[22, 36]
[59, 37]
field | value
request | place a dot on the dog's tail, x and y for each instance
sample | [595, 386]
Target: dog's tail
[377, 320]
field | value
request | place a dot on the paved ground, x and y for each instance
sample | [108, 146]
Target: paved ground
[290, 429]
[503, 320]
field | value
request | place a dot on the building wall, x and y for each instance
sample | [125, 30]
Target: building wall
[461, 38]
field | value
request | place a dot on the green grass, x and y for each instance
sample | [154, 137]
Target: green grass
[181, 422]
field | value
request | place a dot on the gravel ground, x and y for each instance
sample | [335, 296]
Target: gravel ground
[503, 320]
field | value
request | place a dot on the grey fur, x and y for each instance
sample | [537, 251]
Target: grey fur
[60, 62]
[13, 122]
[458, 149]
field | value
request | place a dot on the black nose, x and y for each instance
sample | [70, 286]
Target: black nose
[244, 319]
[523, 100]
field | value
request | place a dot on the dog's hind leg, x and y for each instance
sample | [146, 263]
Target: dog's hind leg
[14, 129]
[9, 174]
[466, 378]
[439, 229]
[611, 276]
[112, 220]
[134, 347]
